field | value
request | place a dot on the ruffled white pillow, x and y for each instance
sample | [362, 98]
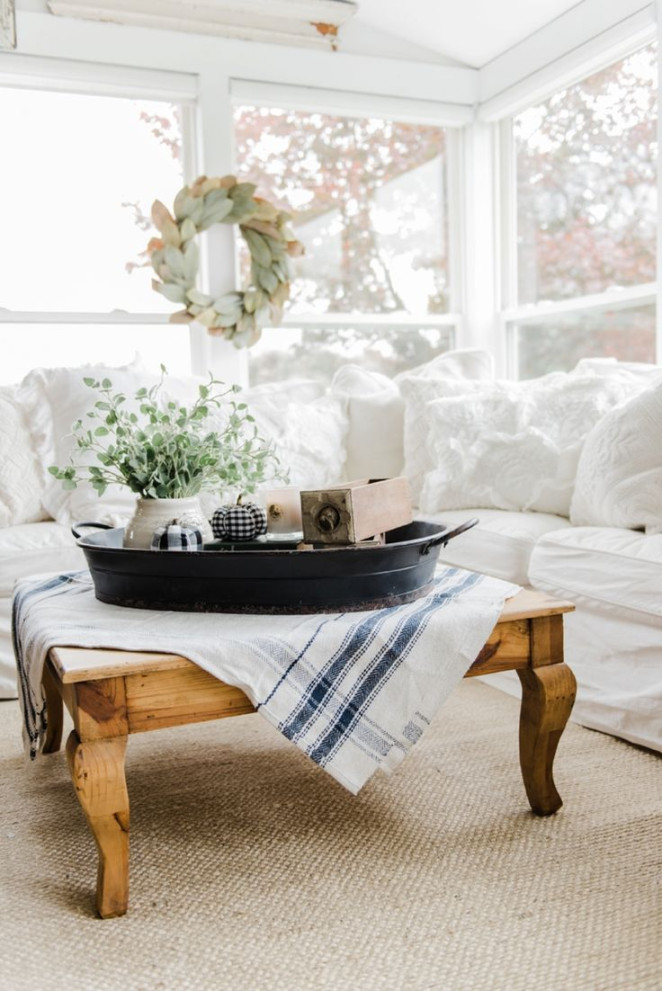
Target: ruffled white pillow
[310, 438]
[449, 374]
[619, 477]
[514, 445]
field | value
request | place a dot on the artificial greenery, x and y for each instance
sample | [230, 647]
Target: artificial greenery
[166, 450]
[237, 316]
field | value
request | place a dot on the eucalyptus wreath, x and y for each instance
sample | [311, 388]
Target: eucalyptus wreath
[241, 315]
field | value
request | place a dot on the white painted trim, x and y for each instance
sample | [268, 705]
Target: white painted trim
[507, 204]
[398, 319]
[658, 336]
[475, 245]
[66, 75]
[611, 299]
[587, 38]
[116, 317]
[66, 38]
[349, 104]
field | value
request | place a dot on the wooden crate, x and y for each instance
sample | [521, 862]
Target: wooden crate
[355, 511]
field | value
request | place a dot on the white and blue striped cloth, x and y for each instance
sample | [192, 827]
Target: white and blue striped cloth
[354, 691]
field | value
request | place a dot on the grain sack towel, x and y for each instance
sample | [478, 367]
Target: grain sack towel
[354, 691]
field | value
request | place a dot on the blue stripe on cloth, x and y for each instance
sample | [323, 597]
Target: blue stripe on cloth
[390, 657]
[358, 639]
[275, 648]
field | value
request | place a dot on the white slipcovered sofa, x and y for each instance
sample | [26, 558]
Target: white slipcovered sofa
[564, 473]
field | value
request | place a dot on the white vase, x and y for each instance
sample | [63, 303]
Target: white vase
[153, 513]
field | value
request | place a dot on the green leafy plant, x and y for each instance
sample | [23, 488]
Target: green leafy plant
[167, 450]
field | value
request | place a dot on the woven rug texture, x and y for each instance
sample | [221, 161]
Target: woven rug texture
[252, 869]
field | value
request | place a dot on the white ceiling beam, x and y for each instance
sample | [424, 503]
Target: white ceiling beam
[568, 48]
[303, 22]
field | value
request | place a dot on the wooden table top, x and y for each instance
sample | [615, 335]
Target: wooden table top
[76, 664]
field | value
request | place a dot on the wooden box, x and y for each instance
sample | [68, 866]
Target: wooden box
[355, 511]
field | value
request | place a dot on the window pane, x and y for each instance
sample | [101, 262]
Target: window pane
[627, 334]
[586, 184]
[26, 346]
[369, 202]
[77, 181]
[319, 352]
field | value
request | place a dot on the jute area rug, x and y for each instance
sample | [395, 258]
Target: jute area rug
[251, 869]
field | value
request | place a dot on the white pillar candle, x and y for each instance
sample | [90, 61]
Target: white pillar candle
[283, 510]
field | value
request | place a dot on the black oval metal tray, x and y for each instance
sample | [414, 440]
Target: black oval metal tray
[267, 579]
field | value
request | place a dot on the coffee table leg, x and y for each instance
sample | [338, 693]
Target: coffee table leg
[548, 694]
[54, 712]
[97, 771]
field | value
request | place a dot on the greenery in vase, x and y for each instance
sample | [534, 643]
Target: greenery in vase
[167, 450]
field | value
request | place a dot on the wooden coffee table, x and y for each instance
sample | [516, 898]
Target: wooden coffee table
[112, 693]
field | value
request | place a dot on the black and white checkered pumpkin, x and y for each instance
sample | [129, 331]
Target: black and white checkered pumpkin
[177, 537]
[244, 521]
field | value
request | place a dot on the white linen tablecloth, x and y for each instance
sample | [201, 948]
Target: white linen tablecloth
[354, 691]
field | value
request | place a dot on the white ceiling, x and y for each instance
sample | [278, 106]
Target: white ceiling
[470, 31]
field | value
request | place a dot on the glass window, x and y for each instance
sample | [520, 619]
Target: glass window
[26, 346]
[77, 181]
[586, 163]
[557, 345]
[317, 352]
[369, 203]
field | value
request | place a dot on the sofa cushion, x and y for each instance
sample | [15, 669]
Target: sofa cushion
[500, 544]
[21, 484]
[376, 419]
[620, 569]
[443, 376]
[54, 399]
[33, 548]
[619, 477]
[309, 437]
[514, 445]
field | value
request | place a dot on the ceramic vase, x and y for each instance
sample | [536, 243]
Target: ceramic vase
[153, 513]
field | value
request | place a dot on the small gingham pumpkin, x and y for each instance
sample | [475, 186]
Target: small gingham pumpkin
[177, 537]
[244, 521]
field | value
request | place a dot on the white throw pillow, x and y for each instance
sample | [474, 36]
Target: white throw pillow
[376, 421]
[21, 485]
[514, 445]
[54, 399]
[612, 366]
[444, 376]
[619, 477]
[309, 437]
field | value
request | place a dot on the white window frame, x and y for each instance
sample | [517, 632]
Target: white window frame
[512, 315]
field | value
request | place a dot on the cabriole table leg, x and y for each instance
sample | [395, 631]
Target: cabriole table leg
[97, 772]
[548, 694]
